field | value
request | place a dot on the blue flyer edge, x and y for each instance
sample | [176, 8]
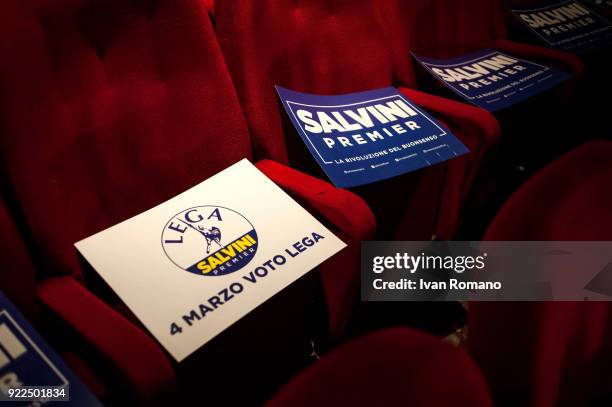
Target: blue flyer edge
[388, 91]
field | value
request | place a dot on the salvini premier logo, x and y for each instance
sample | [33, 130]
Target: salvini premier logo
[209, 240]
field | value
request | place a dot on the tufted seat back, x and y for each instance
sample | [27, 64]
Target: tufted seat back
[313, 46]
[109, 107]
[449, 28]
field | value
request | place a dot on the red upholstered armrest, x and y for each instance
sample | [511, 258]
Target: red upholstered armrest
[349, 217]
[479, 131]
[480, 122]
[475, 127]
[563, 60]
[129, 349]
[344, 210]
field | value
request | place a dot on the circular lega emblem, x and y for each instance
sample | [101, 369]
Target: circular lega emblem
[209, 240]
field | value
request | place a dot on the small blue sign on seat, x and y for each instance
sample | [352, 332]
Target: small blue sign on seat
[27, 361]
[566, 25]
[364, 137]
[491, 79]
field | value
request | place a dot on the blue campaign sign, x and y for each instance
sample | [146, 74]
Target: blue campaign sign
[491, 79]
[27, 360]
[567, 25]
[364, 137]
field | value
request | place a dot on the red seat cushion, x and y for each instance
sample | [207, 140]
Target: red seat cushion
[395, 367]
[542, 354]
[570, 199]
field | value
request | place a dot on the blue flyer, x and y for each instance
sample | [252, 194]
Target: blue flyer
[364, 137]
[567, 25]
[31, 373]
[491, 79]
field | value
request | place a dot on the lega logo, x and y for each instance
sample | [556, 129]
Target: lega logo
[209, 240]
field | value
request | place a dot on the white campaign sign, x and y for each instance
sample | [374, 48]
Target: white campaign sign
[192, 266]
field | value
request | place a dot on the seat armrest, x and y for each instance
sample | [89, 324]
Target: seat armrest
[349, 217]
[479, 131]
[483, 123]
[342, 209]
[124, 345]
[561, 59]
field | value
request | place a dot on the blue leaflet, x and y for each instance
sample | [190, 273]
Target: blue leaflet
[567, 25]
[27, 360]
[364, 137]
[491, 79]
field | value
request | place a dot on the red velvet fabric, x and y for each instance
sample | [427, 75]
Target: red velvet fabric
[448, 28]
[17, 275]
[395, 367]
[321, 47]
[141, 363]
[555, 353]
[18, 283]
[560, 59]
[570, 199]
[84, 372]
[479, 131]
[438, 29]
[338, 209]
[328, 47]
[107, 109]
[210, 6]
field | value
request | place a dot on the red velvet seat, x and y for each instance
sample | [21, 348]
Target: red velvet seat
[396, 367]
[18, 283]
[449, 28]
[341, 46]
[555, 353]
[109, 108]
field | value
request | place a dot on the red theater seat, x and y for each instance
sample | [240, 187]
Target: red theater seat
[395, 367]
[107, 109]
[18, 283]
[555, 353]
[341, 46]
[450, 28]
